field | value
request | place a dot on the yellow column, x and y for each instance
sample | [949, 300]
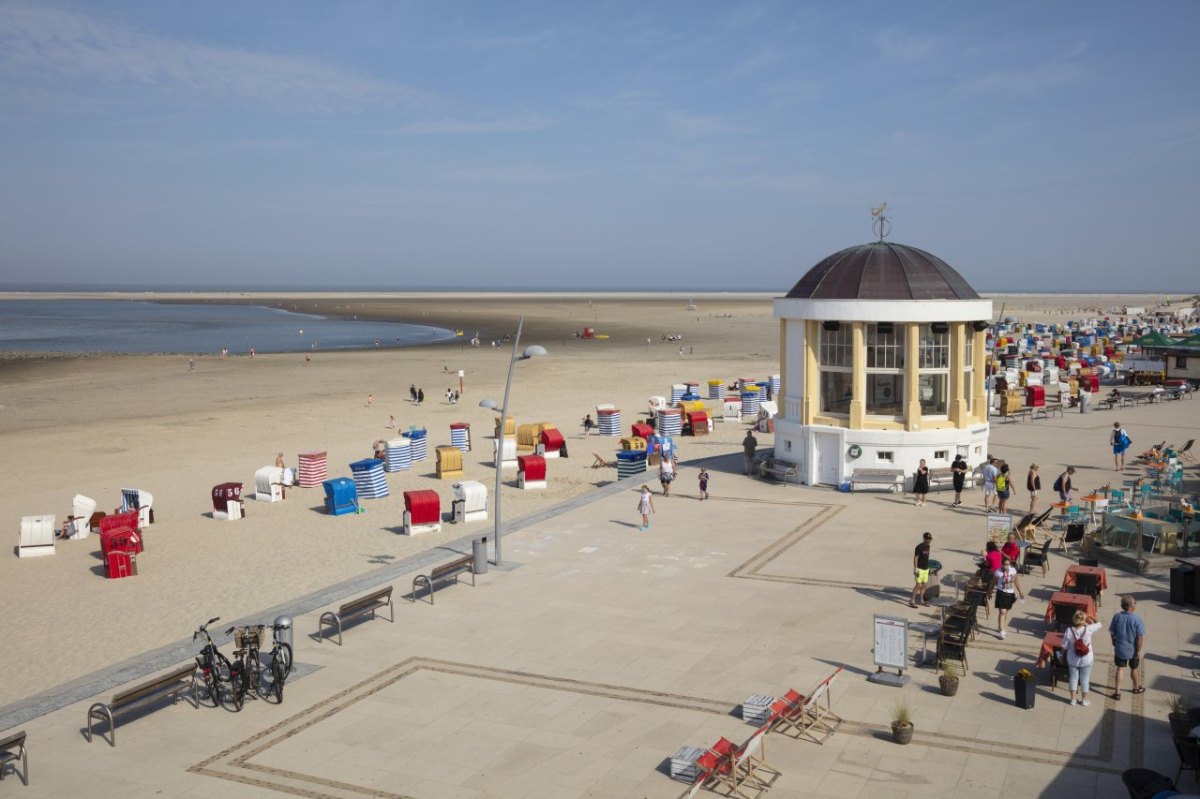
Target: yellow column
[858, 378]
[812, 331]
[912, 389]
[979, 411]
[783, 386]
[958, 388]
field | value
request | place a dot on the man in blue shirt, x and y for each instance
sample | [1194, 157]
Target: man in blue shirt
[1128, 633]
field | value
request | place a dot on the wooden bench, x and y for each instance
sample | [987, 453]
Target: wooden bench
[1046, 411]
[888, 479]
[1020, 414]
[782, 471]
[12, 749]
[940, 478]
[357, 607]
[170, 685]
[445, 571]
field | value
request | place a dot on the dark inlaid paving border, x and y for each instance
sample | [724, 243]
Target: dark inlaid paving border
[236, 763]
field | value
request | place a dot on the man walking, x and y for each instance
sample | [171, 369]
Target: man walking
[990, 473]
[1128, 633]
[1119, 440]
[749, 445]
[959, 470]
[921, 570]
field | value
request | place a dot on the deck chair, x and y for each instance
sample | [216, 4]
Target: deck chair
[37, 536]
[1088, 584]
[1034, 525]
[1023, 529]
[78, 525]
[1183, 452]
[786, 712]
[1039, 557]
[1074, 535]
[819, 721]
[600, 463]
[750, 765]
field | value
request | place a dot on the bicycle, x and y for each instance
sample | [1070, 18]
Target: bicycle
[245, 666]
[214, 668]
[277, 668]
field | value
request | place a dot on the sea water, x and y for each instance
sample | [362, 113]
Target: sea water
[148, 327]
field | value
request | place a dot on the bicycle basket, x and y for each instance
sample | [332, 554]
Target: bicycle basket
[251, 635]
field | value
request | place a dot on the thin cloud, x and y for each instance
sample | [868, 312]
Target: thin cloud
[505, 42]
[527, 124]
[903, 46]
[502, 175]
[45, 41]
[1060, 70]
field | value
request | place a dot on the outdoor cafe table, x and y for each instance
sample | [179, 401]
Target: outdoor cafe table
[1074, 571]
[1081, 601]
[1051, 642]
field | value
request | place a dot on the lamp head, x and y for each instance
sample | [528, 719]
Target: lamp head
[533, 351]
[489, 404]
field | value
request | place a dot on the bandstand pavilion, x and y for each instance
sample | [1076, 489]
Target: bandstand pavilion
[882, 351]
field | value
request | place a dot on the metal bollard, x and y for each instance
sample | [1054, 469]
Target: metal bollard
[285, 632]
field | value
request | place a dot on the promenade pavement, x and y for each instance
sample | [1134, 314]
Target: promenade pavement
[597, 650]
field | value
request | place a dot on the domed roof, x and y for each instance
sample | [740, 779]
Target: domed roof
[882, 270]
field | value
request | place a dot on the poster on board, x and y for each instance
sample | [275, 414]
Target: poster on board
[891, 642]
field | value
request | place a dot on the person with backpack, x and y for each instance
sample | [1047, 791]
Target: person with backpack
[1077, 641]
[1120, 442]
[1004, 488]
[1063, 485]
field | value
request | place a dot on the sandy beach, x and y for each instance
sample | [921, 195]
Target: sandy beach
[92, 425]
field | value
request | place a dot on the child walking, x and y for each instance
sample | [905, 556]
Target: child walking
[703, 483]
[645, 507]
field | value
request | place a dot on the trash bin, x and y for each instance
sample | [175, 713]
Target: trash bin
[1183, 585]
[284, 623]
[1084, 398]
[479, 551]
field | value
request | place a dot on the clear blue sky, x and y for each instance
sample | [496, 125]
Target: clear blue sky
[687, 145]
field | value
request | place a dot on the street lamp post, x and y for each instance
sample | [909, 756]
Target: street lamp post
[532, 351]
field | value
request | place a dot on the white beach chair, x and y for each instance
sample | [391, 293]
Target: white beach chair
[268, 484]
[82, 509]
[37, 536]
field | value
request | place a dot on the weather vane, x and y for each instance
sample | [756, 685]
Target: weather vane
[881, 225]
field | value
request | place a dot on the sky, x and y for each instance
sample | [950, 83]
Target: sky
[686, 146]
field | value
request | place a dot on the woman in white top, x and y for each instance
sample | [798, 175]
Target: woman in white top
[1008, 585]
[645, 507]
[1080, 665]
[666, 474]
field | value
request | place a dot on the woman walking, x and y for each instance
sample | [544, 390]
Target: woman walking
[666, 474]
[645, 507]
[1077, 641]
[1033, 484]
[921, 483]
[1004, 488]
[1008, 586]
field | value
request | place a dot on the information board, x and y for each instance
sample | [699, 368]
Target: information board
[998, 526]
[891, 642]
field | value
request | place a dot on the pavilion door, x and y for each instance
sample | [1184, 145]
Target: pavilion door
[829, 460]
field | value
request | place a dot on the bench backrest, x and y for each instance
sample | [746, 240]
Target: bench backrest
[152, 687]
[362, 602]
[878, 473]
[451, 567]
[14, 740]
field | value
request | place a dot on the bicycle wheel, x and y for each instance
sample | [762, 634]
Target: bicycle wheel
[285, 658]
[227, 692]
[208, 679]
[271, 679]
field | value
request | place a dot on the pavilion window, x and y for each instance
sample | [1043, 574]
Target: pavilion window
[836, 357]
[933, 363]
[885, 369]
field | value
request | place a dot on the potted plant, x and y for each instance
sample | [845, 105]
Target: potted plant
[902, 726]
[949, 679]
[1025, 688]
[1177, 715]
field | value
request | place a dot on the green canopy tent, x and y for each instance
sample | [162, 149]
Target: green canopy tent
[1191, 341]
[1154, 340]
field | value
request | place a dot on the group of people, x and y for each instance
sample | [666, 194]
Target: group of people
[997, 565]
[415, 394]
[666, 476]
